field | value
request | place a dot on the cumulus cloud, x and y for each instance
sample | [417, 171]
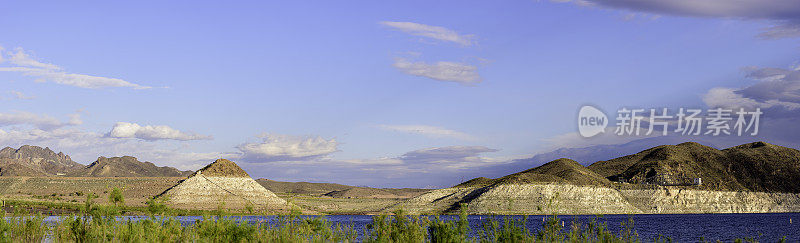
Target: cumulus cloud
[443, 71]
[429, 31]
[39, 121]
[151, 133]
[784, 14]
[275, 147]
[22, 62]
[777, 90]
[430, 131]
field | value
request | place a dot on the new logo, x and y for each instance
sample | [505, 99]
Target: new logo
[591, 121]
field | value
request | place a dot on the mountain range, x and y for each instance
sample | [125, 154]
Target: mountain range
[36, 161]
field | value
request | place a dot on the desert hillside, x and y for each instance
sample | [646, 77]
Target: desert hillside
[758, 166]
[561, 171]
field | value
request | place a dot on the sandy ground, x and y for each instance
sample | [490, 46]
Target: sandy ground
[137, 190]
[329, 205]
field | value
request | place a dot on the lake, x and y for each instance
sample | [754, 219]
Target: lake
[679, 227]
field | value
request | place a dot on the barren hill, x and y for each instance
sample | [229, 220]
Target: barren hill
[755, 166]
[223, 168]
[563, 171]
[126, 166]
[35, 161]
[222, 183]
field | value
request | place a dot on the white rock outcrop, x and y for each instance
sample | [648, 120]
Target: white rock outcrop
[221, 183]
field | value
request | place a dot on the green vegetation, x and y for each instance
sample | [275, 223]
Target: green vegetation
[98, 223]
[115, 197]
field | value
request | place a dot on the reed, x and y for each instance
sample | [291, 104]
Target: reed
[99, 223]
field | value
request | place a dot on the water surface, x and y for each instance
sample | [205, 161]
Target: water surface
[679, 227]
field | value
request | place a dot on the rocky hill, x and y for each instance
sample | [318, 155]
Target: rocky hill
[758, 166]
[223, 168]
[125, 166]
[35, 161]
[222, 184]
[750, 178]
[561, 171]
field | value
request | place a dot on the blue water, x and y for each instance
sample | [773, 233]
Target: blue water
[679, 227]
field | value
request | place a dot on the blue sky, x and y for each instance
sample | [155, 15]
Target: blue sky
[370, 93]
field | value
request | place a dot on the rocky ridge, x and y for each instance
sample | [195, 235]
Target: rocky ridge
[35, 161]
[125, 166]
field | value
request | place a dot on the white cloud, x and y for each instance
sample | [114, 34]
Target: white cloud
[39, 121]
[430, 131]
[608, 137]
[44, 72]
[785, 14]
[785, 29]
[378, 161]
[273, 147]
[728, 98]
[20, 96]
[151, 133]
[435, 32]
[20, 58]
[777, 89]
[442, 71]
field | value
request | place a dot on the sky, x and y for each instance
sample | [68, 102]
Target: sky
[376, 93]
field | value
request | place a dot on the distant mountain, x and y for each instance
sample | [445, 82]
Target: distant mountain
[126, 166]
[30, 160]
[338, 190]
[362, 192]
[305, 188]
[755, 166]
